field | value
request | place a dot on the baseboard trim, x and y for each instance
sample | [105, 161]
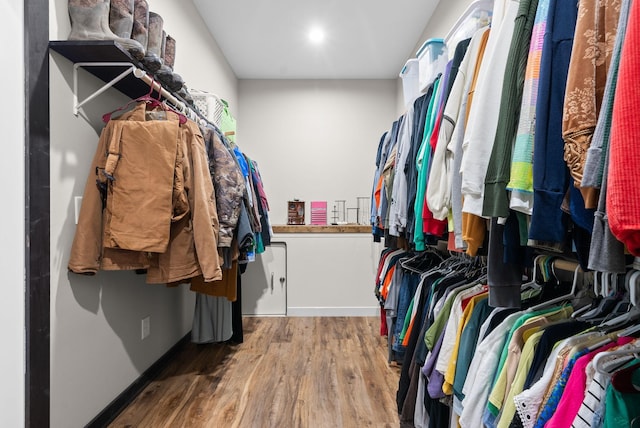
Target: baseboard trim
[108, 415]
[365, 311]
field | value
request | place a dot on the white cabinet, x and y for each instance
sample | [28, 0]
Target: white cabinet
[264, 284]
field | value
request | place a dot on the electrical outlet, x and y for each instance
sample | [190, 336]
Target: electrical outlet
[146, 327]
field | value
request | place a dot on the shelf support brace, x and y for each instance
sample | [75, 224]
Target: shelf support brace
[76, 105]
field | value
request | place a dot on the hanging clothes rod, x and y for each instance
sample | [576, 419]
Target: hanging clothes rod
[129, 69]
[142, 75]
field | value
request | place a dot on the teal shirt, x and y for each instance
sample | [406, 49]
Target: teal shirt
[422, 166]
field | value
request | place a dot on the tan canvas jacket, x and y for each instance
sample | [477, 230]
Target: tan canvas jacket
[148, 191]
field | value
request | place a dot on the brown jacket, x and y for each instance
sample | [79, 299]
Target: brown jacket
[156, 196]
[596, 30]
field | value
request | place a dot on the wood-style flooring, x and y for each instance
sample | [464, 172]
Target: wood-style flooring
[289, 372]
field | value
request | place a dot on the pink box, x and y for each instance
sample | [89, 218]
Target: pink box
[319, 212]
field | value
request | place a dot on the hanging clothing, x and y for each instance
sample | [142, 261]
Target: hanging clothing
[496, 201]
[430, 225]
[421, 106]
[438, 195]
[228, 184]
[590, 58]
[211, 320]
[470, 238]
[521, 176]
[623, 194]
[548, 226]
[594, 165]
[191, 249]
[483, 118]
[422, 161]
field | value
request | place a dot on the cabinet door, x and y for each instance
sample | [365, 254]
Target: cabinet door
[264, 284]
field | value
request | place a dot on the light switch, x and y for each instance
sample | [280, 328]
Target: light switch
[77, 201]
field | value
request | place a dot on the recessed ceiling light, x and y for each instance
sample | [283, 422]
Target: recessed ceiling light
[316, 35]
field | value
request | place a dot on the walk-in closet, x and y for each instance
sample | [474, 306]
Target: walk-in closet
[320, 214]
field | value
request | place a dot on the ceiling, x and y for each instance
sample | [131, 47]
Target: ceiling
[269, 39]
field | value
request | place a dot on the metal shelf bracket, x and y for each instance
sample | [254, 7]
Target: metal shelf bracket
[130, 68]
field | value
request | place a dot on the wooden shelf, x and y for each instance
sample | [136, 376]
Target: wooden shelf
[308, 228]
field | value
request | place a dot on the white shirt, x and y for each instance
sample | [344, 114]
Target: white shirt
[451, 331]
[483, 117]
[454, 149]
[439, 183]
[485, 361]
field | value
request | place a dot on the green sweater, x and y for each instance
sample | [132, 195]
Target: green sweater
[496, 201]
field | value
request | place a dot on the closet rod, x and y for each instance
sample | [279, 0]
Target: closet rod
[129, 69]
[178, 102]
[156, 86]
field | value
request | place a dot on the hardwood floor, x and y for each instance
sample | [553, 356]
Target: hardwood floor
[289, 372]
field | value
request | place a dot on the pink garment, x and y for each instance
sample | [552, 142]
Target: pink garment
[573, 394]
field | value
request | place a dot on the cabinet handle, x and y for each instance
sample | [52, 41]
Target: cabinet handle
[272, 275]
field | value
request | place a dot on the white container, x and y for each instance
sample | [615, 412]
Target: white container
[410, 86]
[433, 58]
[209, 105]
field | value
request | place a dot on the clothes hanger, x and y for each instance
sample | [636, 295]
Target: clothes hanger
[634, 288]
[421, 257]
[151, 103]
[405, 265]
[144, 98]
[157, 102]
[534, 283]
[590, 308]
[571, 294]
[608, 304]
[598, 362]
[632, 316]
[630, 331]
[551, 287]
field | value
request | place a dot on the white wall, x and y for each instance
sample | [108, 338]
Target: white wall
[317, 140]
[314, 139]
[96, 350]
[12, 234]
[330, 274]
